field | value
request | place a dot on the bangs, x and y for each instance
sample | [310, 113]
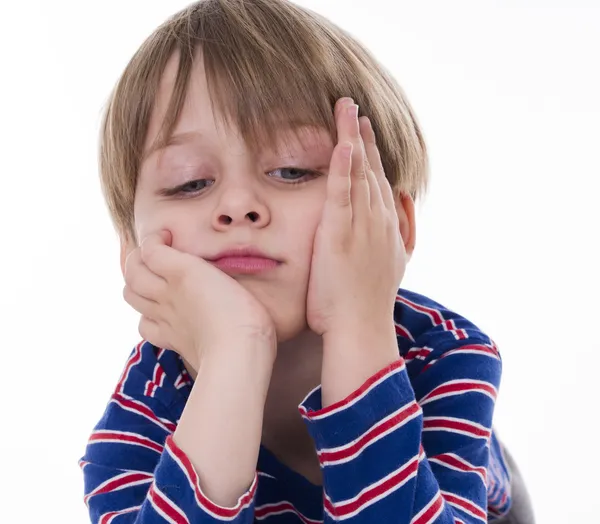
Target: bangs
[271, 66]
[263, 74]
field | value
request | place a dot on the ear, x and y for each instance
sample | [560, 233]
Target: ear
[405, 207]
[127, 246]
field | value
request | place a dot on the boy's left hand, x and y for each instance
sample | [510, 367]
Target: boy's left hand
[358, 255]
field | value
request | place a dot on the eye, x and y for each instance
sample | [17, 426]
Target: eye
[190, 188]
[293, 174]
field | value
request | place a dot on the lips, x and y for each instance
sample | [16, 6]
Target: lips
[244, 261]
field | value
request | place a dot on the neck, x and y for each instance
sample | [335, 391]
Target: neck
[296, 372]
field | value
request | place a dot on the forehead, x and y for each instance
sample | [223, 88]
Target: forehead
[200, 120]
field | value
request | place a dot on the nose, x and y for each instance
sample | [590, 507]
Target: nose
[240, 206]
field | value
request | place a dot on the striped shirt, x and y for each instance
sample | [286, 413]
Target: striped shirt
[414, 444]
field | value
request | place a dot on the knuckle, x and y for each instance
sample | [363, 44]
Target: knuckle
[147, 253]
[143, 329]
[343, 199]
[148, 331]
[131, 264]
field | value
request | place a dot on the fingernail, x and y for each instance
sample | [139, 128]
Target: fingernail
[353, 110]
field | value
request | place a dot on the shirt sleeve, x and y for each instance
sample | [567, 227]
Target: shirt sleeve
[417, 452]
[134, 470]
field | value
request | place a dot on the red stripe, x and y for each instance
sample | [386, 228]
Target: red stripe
[446, 458]
[149, 391]
[436, 423]
[193, 478]
[436, 504]
[418, 352]
[460, 387]
[119, 483]
[166, 506]
[158, 372]
[119, 437]
[359, 392]
[466, 505]
[144, 410]
[397, 420]
[434, 314]
[474, 347]
[107, 518]
[133, 360]
[160, 376]
[403, 332]
[342, 509]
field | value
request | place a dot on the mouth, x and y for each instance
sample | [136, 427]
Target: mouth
[244, 261]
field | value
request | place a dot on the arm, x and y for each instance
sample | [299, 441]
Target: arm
[221, 426]
[139, 465]
[397, 452]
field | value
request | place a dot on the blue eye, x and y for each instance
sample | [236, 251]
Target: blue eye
[195, 185]
[293, 174]
[190, 188]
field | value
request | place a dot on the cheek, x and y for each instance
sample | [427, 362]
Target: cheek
[183, 221]
[301, 225]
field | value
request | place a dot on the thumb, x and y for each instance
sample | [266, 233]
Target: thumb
[162, 237]
[154, 253]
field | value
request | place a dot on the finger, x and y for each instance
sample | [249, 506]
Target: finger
[375, 197]
[348, 131]
[160, 258]
[338, 206]
[141, 280]
[340, 105]
[374, 159]
[142, 305]
[150, 330]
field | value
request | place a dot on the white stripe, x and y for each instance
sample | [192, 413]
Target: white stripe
[194, 487]
[100, 487]
[159, 423]
[427, 398]
[170, 503]
[461, 460]
[354, 400]
[119, 513]
[426, 508]
[397, 426]
[461, 508]
[372, 487]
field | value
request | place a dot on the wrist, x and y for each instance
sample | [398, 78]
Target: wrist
[258, 342]
[361, 334]
[353, 355]
[252, 357]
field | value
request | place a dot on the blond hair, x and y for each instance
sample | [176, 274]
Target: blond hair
[268, 63]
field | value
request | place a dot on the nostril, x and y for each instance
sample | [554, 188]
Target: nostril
[225, 220]
[253, 216]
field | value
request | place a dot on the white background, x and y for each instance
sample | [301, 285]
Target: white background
[507, 94]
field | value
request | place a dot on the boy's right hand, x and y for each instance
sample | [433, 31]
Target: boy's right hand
[187, 304]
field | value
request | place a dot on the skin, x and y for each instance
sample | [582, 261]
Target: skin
[248, 200]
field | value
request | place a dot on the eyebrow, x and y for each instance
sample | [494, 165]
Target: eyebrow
[190, 136]
[174, 140]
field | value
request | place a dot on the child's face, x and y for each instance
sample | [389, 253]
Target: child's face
[246, 199]
[236, 197]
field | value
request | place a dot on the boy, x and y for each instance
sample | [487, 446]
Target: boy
[264, 230]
